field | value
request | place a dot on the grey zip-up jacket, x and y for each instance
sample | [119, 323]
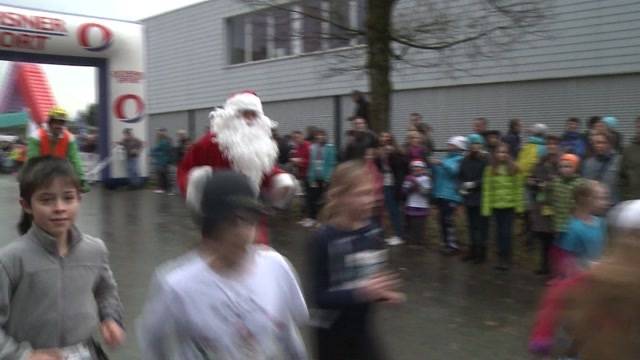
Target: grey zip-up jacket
[48, 301]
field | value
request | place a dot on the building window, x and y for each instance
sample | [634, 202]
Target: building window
[236, 39]
[259, 36]
[339, 14]
[312, 27]
[282, 33]
[273, 33]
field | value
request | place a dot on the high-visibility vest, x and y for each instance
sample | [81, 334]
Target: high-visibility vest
[62, 145]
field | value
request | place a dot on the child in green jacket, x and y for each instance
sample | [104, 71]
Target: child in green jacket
[502, 197]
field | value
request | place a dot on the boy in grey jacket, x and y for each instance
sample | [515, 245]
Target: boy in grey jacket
[56, 286]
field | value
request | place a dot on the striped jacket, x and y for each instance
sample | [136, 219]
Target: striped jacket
[562, 194]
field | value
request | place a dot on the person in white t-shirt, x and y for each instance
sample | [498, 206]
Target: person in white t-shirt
[229, 299]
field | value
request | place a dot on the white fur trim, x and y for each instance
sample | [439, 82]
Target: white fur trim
[196, 181]
[244, 101]
[626, 215]
[283, 189]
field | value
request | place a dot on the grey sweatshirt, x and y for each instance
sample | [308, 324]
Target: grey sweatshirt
[48, 301]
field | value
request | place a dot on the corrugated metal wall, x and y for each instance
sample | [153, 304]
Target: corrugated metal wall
[450, 110]
[299, 114]
[172, 121]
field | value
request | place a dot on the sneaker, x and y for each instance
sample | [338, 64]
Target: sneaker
[158, 191]
[393, 241]
[449, 251]
[307, 222]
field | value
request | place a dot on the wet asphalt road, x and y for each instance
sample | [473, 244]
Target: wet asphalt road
[454, 310]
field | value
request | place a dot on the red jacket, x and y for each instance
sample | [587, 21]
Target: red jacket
[206, 152]
[303, 152]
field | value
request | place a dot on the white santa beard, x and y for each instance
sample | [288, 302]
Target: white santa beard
[250, 149]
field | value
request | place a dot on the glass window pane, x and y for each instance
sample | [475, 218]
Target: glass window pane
[282, 33]
[362, 19]
[312, 28]
[259, 36]
[339, 14]
[235, 27]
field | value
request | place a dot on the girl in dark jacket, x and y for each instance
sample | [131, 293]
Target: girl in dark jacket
[541, 215]
[471, 173]
[393, 165]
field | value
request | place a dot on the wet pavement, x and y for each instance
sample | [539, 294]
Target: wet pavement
[454, 310]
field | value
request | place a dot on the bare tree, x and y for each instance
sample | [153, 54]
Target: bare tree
[395, 30]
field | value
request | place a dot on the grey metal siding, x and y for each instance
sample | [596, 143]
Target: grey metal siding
[187, 68]
[172, 121]
[300, 114]
[450, 110]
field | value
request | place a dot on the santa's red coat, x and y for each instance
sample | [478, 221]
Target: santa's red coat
[206, 152]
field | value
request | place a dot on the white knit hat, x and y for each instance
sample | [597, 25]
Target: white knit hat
[246, 100]
[458, 141]
[539, 129]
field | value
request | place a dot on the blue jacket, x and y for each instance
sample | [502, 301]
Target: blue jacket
[162, 153]
[328, 163]
[446, 178]
[574, 143]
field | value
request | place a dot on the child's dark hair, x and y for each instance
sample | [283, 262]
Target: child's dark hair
[37, 173]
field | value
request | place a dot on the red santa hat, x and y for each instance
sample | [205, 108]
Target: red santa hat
[245, 100]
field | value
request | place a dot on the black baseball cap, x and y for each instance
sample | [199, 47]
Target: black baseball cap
[227, 192]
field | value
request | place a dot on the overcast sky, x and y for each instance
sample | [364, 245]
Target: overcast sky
[74, 86]
[131, 10]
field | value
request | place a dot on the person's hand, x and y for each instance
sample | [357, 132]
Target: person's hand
[393, 297]
[468, 185]
[112, 333]
[379, 287]
[46, 354]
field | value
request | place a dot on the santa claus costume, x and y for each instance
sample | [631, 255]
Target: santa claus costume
[244, 145]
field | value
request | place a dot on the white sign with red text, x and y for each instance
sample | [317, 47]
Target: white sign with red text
[120, 42]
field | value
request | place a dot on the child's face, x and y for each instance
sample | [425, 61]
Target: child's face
[54, 207]
[416, 170]
[239, 235]
[476, 147]
[502, 154]
[553, 148]
[567, 168]
[359, 202]
[415, 139]
[493, 139]
[601, 201]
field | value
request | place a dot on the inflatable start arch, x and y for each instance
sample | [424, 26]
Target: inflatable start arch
[114, 47]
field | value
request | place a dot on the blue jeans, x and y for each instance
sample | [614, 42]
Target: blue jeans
[504, 230]
[132, 172]
[447, 209]
[394, 211]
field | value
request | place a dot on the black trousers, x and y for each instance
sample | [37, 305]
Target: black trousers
[546, 240]
[163, 177]
[315, 192]
[504, 231]
[478, 227]
[342, 344]
[417, 226]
